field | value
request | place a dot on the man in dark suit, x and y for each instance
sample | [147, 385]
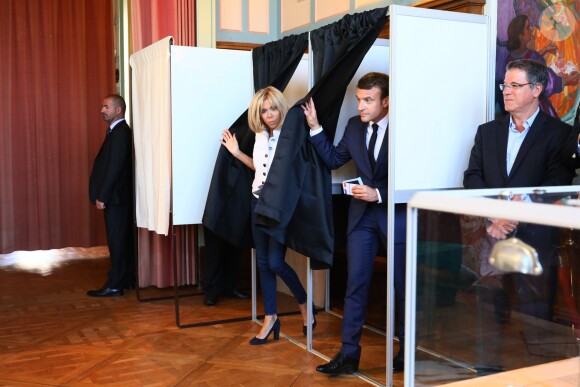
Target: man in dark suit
[523, 149]
[571, 151]
[111, 190]
[365, 142]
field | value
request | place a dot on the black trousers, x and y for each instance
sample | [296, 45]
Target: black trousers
[120, 239]
[222, 264]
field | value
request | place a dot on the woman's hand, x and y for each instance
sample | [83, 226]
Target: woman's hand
[230, 142]
[310, 114]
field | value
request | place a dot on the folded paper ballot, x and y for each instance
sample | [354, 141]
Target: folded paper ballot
[347, 185]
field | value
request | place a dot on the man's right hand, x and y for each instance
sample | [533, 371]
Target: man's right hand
[310, 114]
[501, 228]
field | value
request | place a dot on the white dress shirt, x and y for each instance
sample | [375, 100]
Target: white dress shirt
[380, 134]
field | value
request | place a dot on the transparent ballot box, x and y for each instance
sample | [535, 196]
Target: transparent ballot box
[493, 286]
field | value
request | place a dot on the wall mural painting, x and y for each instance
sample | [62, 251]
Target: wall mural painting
[548, 31]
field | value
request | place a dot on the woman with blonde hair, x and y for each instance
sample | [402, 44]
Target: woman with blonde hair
[266, 114]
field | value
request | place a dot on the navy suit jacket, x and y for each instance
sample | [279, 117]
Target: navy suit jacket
[538, 163]
[353, 146]
[111, 179]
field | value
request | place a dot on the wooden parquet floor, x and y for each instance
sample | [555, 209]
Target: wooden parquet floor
[52, 334]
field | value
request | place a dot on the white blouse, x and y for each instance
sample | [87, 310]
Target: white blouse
[264, 150]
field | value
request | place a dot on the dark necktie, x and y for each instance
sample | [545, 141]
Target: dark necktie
[372, 144]
[108, 131]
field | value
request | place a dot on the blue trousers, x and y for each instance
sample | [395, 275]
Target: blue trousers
[362, 246]
[270, 257]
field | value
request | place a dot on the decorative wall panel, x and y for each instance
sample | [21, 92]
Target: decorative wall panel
[294, 14]
[325, 9]
[231, 15]
[259, 16]
[364, 3]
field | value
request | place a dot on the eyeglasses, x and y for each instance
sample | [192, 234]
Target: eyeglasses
[514, 86]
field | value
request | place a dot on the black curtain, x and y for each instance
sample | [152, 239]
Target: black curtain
[295, 204]
[275, 62]
[227, 209]
[338, 50]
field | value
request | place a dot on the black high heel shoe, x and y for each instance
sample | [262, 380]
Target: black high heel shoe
[305, 327]
[275, 328]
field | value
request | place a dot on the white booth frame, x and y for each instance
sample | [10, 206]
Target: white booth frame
[474, 203]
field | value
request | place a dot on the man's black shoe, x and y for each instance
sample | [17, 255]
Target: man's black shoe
[399, 363]
[210, 300]
[105, 292]
[236, 294]
[339, 365]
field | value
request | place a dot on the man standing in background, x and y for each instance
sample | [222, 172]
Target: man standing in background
[111, 190]
[571, 152]
[522, 149]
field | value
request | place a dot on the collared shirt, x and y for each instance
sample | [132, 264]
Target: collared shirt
[383, 123]
[515, 139]
[264, 150]
[112, 126]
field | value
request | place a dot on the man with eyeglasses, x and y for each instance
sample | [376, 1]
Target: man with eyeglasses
[522, 149]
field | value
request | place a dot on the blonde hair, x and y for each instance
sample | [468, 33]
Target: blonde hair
[276, 99]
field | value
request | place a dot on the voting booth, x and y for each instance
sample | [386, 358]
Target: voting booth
[439, 67]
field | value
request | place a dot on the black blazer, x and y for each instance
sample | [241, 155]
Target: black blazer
[538, 163]
[570, 152]
[111, 179]
[295, 204]
[353, 146]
